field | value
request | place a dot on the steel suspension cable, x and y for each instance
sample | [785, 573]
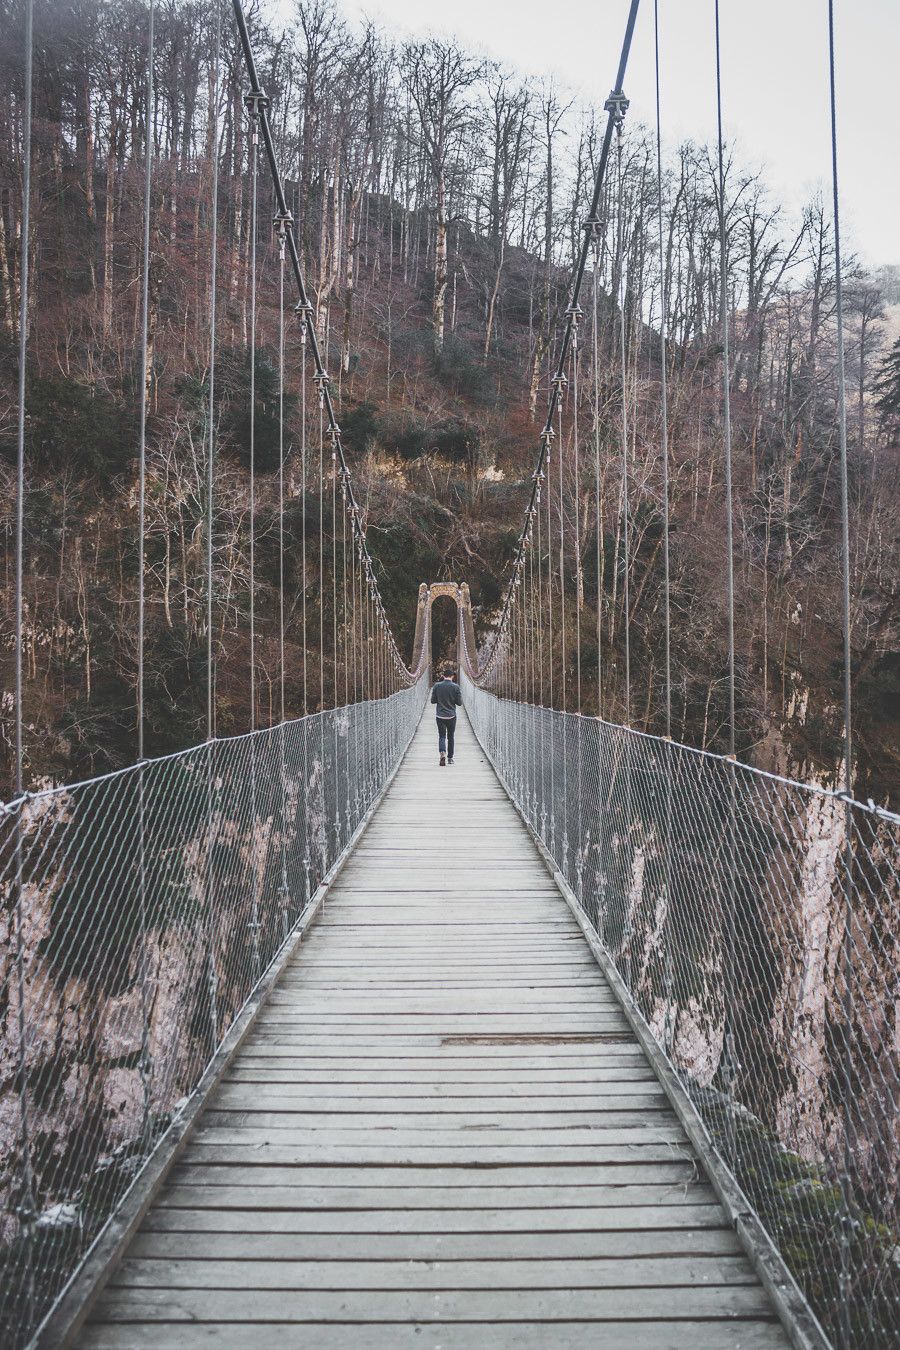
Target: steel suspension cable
[145, 1068]
[842, 418]
[281, 227]
[212, 976]
[334, 628]
[671, 928]
[729, 956]
[144, 346]
[576, 501]
[304, 309]
[345, 647]
[623, 356]
[254, 105]
[595, 372]
[726, 382]
[27, 1203]
[303, 482]
[663, 384]
[562, 632]
[211, 397]
[345, 615]
[847, 944]
[547, 460]
[337, 490]
[562, 561]
[321, 555]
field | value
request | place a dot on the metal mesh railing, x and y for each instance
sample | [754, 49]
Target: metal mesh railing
[151, 901]
[755, 923]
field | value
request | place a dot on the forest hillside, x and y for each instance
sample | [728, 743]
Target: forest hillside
[438, 200]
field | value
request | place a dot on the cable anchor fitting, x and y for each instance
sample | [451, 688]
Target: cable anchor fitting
[282, 221]
[256, 103]
[617, 106]
[321, 381]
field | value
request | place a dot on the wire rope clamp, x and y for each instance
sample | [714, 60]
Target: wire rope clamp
[574, 313]
[304, 312]
[617, 106]
[560, 382]
[282, 222]
[256, 103]
[321, 381]
[592, 226]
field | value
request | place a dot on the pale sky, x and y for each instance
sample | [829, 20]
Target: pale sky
[775, 76]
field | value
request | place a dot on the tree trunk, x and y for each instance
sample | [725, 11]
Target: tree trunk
[440, 267]
[492, 302]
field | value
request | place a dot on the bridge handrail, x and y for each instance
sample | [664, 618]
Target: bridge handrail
[763, 966]
[140, 952]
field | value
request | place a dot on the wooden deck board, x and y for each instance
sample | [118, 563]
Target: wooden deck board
[441, 1131]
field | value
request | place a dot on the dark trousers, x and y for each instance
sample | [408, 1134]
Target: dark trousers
[446, 731]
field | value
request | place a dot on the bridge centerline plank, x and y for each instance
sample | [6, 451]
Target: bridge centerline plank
[440, 1119]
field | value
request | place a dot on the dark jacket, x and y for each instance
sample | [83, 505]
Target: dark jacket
[448, 697]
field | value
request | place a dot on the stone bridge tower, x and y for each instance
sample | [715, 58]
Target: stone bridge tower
[458, 592]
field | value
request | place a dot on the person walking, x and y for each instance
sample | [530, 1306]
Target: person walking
[447, 697]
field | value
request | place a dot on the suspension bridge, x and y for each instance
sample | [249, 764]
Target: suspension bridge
[305, 1040]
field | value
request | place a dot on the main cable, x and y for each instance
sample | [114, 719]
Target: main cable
[304, 309]
[614, 103]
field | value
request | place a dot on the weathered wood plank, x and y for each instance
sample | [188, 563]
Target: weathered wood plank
[371, 1305]
[216, 1273]
[438, 1083]
[524, 1094]
[298, 1115]
[278, 1151]
[254, 1194]
[438, 1086]
[637, 1132]
[618, 1244]
[583, 1218]
[574, 1335]
[410, 1179]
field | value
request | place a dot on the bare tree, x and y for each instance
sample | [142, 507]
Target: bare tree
[439, 74]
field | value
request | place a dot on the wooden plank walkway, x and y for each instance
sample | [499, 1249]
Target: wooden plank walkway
[441, 1131]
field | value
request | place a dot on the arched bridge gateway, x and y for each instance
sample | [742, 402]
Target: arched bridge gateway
[459, 593]
[587, 1041]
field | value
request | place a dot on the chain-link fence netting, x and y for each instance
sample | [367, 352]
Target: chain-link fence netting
[756, 924]
[137, 913]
